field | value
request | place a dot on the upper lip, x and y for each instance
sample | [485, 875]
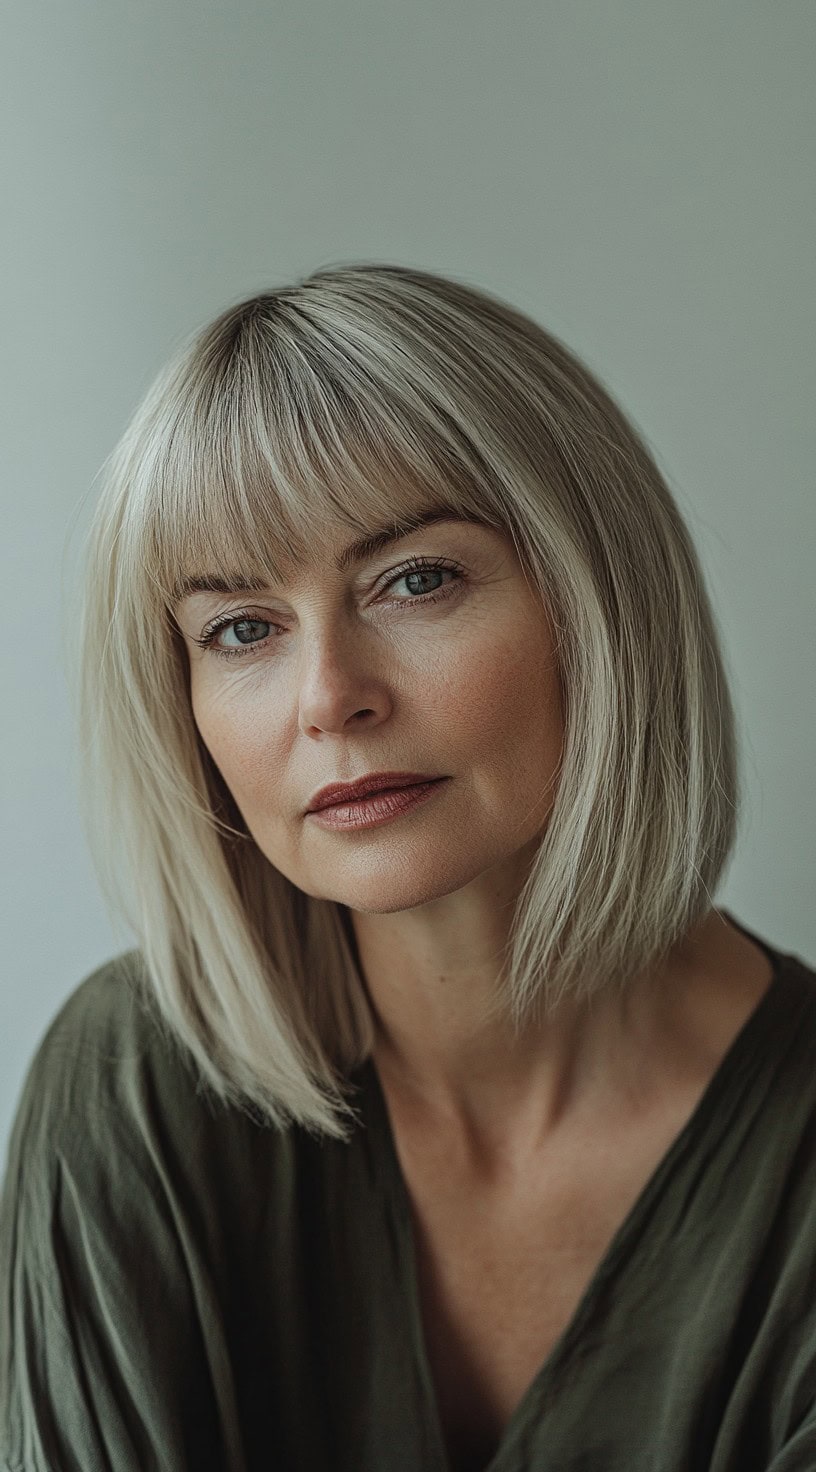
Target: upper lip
[374, 782]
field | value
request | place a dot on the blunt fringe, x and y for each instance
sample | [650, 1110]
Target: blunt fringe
[363, 391]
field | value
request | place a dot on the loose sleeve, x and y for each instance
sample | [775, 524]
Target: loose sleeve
[104, 1365]
[798, 1454]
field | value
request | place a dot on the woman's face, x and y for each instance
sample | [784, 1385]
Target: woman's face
[335, 674]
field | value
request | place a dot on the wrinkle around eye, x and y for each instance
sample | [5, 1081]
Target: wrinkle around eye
[395, 607]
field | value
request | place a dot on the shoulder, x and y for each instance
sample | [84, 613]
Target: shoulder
[105, 1033]
[106, 1013]
[112, 1004]
[108, 1087]
[112, 1099]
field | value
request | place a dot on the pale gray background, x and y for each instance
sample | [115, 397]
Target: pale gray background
[637, 175]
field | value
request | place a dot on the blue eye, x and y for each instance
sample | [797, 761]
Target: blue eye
[246, 623]
[423, 570]
[247, 618]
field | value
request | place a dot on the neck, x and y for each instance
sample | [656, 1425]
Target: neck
[495, 1093]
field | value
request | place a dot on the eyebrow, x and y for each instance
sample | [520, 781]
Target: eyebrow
[358, 551]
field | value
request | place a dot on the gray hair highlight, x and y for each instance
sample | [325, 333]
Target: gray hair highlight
[359, 391]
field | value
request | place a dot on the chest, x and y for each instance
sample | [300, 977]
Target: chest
[499, 1280]
[494, 1301]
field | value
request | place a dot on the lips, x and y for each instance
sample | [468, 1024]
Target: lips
[345, 792]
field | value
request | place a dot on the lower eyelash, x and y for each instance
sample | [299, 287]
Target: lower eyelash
[207, 639]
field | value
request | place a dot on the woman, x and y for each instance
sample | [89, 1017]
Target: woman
[448, 1128]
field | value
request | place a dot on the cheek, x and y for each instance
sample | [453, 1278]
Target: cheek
[238, 733]
[506, 694]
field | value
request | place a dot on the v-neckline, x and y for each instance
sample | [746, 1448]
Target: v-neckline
[753, 1032]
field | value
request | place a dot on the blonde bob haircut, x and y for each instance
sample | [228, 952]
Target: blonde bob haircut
[358, 396]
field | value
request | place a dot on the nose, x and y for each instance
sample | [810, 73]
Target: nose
[338, 685]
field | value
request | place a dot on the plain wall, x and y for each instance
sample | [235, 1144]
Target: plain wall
[638, 176]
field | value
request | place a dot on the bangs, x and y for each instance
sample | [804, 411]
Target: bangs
[261, 454]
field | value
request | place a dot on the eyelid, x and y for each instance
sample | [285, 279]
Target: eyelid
[252, 613]
[417, 562]
[363, 575]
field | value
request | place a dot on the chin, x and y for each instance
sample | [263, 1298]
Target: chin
[387, 893]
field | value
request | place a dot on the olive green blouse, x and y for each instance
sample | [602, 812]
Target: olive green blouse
[182, 1288]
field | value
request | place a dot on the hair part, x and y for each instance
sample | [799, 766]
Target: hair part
[357, 396]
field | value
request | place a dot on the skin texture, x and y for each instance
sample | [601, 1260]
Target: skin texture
[347, 678]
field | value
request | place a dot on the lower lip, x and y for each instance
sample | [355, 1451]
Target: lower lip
[381, 807]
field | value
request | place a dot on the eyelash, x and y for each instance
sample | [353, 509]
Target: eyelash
[416, 564]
